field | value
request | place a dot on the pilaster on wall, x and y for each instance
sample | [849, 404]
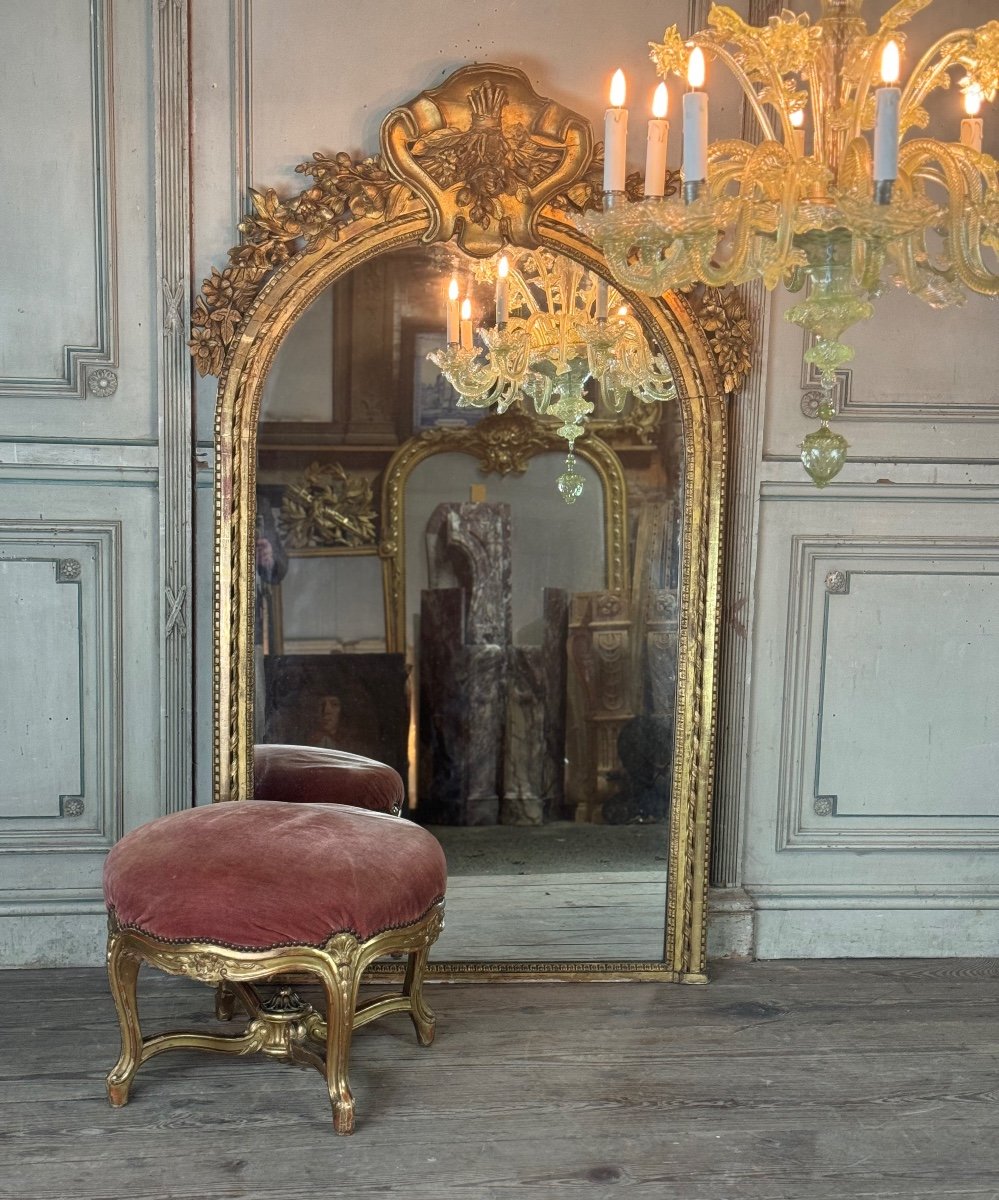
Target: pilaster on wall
[175, 412]
[745, 440]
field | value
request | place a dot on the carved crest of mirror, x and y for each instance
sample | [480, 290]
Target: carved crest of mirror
[397, 574]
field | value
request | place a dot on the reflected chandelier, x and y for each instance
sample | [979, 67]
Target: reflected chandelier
[557, 327]
[813, 205]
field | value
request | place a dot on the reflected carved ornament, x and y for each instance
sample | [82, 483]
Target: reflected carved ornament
[330, 507]
[503, 445]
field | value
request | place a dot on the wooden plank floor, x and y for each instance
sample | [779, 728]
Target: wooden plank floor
[778, 1081]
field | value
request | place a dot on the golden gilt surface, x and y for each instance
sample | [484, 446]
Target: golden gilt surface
[293, 249]
[280, 1027]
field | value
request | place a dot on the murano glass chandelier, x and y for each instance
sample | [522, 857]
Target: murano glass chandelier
[814, 205]
[557, 328]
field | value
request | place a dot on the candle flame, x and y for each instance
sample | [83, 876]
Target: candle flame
[623, 310]
[890, 62]
[973, 100]
[504, 267]
[617, 89]
[798, 118]
[466, 309]
[452, 291]
[660, 102]
[695, 68]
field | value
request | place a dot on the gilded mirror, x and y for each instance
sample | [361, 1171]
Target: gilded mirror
[426, 595]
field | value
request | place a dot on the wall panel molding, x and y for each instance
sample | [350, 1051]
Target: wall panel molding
[241, 111]
[84, 809]
[824, 574]
[90, 364]
[847, 404]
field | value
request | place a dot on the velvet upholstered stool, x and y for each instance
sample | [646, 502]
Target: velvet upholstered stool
[296, 882]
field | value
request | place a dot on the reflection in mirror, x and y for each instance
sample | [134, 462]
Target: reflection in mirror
[425, 597]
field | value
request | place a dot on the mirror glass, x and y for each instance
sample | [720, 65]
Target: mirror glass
[511, 655]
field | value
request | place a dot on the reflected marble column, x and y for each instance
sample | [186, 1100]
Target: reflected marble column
[463, 662]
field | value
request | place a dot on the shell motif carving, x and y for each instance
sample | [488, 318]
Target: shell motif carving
[486, 153]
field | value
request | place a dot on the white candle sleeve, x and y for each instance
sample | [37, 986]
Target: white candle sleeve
[971, 132]
[886, 133]
[655, 157]
[452, 322]
[615, 149]
[601, 299]
[502, 301]
[695, 137]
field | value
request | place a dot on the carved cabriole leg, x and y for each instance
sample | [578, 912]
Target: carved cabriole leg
[123, 971]
[423, 1017]
[341, 976]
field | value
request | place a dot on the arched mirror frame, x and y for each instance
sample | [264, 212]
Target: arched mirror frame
[509, 456]
[381, 206]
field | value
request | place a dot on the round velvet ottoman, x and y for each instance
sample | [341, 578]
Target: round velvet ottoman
[245, 891]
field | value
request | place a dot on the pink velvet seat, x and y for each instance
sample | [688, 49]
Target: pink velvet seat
[256, 875]
[312, 774]
[317, 875]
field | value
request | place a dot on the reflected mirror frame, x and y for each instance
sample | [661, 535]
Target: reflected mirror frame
[274, 293]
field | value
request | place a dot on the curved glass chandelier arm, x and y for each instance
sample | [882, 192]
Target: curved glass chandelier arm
[972, 215]
[717, 49]
[954, 49]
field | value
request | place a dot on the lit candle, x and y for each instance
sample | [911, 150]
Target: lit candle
[466, 324]
[452, 311]
[695, 121]
[616, 136]
[798, 121]
[503, 291]
[886, 116]
[971, 125]
[655, 154]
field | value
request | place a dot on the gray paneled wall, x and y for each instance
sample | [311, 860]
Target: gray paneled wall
[80, 521]
[858, 813]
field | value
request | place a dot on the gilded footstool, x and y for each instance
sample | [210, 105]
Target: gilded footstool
[246, 891]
